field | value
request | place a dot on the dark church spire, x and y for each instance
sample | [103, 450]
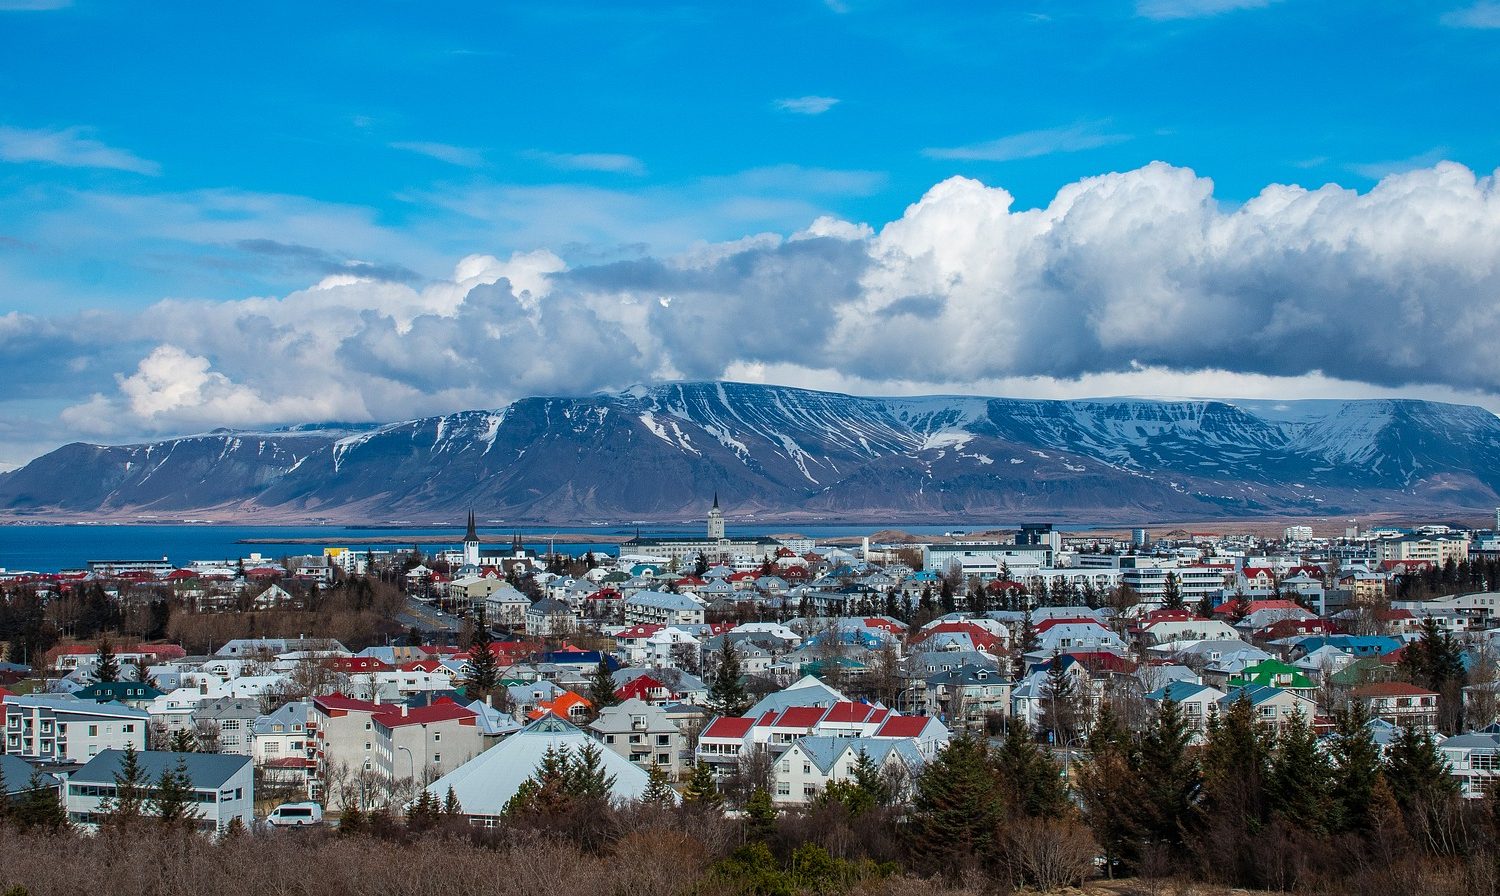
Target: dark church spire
[471, 535]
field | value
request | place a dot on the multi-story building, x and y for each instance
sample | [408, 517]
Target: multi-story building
[223, 724]
[1434, 549]
[662, 608]
[644, 734]
[812, 763]
[64, 729]
[1399, 703]
[281, 743]
[426, 742]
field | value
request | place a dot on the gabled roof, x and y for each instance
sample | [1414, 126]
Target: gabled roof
[730, 727]
[208, 771]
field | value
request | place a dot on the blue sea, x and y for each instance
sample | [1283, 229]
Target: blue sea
[52, 548]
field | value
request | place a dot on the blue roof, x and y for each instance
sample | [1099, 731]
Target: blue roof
[1177, 691]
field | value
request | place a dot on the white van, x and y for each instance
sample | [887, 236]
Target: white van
[289, 815]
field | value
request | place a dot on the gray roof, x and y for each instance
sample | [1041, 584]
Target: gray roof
[207, 770]
[17, 774]
[663, 601]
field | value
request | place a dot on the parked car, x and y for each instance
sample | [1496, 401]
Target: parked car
[290, 815]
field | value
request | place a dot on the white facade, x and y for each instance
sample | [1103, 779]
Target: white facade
[59, 729]
[224, 786]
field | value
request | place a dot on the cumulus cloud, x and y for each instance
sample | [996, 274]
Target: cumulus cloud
[1120, 282]
[806, 105]
[68, 148]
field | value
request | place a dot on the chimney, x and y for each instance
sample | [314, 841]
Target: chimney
[404, 710]
[489, 700]
[377, 697]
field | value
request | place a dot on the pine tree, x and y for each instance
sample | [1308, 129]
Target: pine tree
[1236, 761]
[1299, 789]
[727, 696]
[175, 802]
[484, 668]
[1356, 768]
[1170, 779]
[1026, 642]
[1029, 778]
[658, 789]
[1109, 790]
[701, 792]
[106, 665]
[182, 741]
[760, 816]
[451, 807]
[956, 809]
[1171, 595]
[352, 822]
[870, 781]
[1059, 703]
[132, 790]
[424, 812]
[586, 777]
[602, 688]
[1417, 773]
[39, 807]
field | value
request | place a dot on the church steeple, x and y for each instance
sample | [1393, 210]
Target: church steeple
[471, 543]
[471, 535]
[716, 521]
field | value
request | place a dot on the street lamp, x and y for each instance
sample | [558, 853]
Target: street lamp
[411, 762]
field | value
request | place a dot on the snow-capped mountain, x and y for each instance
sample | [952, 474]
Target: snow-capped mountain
[661, 452]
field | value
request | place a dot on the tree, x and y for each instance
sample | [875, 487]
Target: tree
[182, 741]
[175, 803]
[131, 791]
[39, 807]
[1171, 594]
[1435, 661]
[760, 816]
[602, 688]
[1059, 703]
[1356, 768]
[956, 809]
[424, 813]
[701, 792]
[587, 777]
[1170, 780]
[1299, 789]
[106, 665]
[1029, 778]
[1026, 642]
[1236, 760]
[452, 808]
[1419, 781]
[658, 789]
[871, 781]
[726, 695]
[484, 668]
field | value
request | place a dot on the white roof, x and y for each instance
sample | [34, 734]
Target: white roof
[486, 783]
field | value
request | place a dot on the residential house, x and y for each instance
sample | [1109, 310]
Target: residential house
[224, 725]
[644, 734]
[1399, 703]
[425, 742]
[645, 607]
[812, 763]
[65, 729]
[223, 786]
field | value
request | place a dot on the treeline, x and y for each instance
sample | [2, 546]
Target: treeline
[1452, 577]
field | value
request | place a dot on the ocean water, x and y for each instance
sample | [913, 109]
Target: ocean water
[53, 548]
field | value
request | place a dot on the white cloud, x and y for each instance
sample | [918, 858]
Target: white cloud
[1138, 282]
[462, 156]
[1377, 170]
[806, 105]
[69, 148]
[1030, 144]
[1193, 9]
[1479, 15]
[608, 162]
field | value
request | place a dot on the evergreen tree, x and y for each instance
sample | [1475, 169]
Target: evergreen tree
[1026, 642]
[182, 741]
[39, 807]
[956, 809]
[484, 669]
[352, 822]
[602, 688]
[1109, 789]
[701, 792]
[1418, 775]
[760, 816]
[1171, 595]
[1170, 779]
[175, 803]
[1236, 761]
[424, 813]
[106, 665]
[871, 782]
[726, 695]
[658, 789]
[1059, 703]
[586, 777]
[451, 807]
[132, 790]
[1029, 778]
[1435, 661]
[1356, 768]
[1299, 789]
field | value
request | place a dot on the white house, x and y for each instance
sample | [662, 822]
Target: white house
[662, 608]
[63, 729]
[812, 763]
[223, 785]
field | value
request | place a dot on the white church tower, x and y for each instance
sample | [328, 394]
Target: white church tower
[471, 544]
[716, 521]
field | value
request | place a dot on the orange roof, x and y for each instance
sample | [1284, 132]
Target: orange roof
[560, 706]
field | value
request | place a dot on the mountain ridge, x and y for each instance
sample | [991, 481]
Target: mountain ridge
[777, 452]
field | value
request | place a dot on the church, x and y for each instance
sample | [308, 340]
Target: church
[715, 548]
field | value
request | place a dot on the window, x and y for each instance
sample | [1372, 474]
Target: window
[93, 731]
[272, 747]
[807, 768]
[229, 725]
[437, 757]
[783, 789]
[437, 736]
[367, 746]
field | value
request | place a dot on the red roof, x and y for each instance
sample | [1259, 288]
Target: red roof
[357, 664]
[177, 575]
[1253, 606]
[732, 727]
[338, 704]
[422, 666]
[903, 726]
[640, 631]
[640, 688]
[443, 710]
[798, 717]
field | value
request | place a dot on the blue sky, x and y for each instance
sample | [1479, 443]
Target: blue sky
[212, 156]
